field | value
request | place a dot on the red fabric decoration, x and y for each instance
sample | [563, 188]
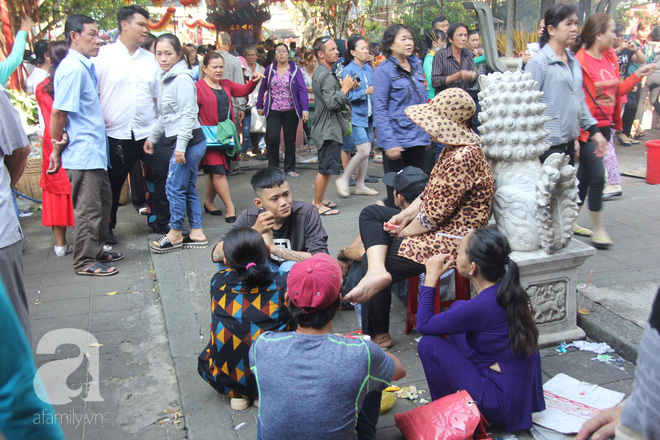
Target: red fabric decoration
[164, 21]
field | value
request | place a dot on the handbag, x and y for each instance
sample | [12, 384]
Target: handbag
[258, 122]
[453, 417]
[222, 142]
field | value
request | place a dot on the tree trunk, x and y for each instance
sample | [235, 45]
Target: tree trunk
[510, 24]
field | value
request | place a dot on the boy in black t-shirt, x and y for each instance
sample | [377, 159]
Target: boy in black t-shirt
[292, 230]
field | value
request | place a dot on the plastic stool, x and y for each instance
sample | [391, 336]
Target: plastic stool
[462, 287]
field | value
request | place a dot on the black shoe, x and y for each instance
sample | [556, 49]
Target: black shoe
[217, 212]
[370, 179]
[110, 238]
[231, 219]
[351, 182]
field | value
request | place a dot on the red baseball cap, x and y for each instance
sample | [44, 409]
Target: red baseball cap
[314, 284]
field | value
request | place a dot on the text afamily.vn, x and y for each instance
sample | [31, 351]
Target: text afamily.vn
[67, 418]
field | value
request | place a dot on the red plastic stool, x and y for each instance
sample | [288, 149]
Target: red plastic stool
[462, 286]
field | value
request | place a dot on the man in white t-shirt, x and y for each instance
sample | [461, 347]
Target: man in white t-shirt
[128, 89]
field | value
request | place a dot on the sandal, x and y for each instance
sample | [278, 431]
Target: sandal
[109, 257]
[639, 135]
[329, 204]
[601, 242]
[583, 232]
[163, 245]
[189, 243]
[329, 211]
[103, 270]
[292, 175]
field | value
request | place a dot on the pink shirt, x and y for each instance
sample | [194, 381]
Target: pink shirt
[279, 86]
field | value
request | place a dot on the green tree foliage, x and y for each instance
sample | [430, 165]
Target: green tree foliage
[410, 14]
[341, 18]
[50, 14]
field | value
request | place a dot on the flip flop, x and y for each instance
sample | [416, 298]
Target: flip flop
[584, 232]
[639, 135]
[292, 174]
[109, 257]
[103, 270]
[601, 242]
[329, 211]
[163, 245]
[622, 142]
[329, 204]
[189, 243]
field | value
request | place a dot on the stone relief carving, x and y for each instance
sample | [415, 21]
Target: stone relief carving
[534, 205]
[548, 301]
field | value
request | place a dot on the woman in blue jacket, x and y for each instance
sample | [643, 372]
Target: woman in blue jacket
[284, 105]
[357, 66]
[400, 83]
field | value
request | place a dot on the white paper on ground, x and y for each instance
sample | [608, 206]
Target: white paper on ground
[569, 403]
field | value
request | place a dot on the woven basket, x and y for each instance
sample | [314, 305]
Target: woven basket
[125, 195]
[29, 181]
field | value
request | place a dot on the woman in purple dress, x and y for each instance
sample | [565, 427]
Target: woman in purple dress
[492, 349]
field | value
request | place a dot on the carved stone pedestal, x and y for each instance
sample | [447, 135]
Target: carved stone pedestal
[550, 280]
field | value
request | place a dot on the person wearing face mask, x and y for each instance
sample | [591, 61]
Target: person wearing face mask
[355, 60]
[214, 98]
[400, 83]
[454, 66]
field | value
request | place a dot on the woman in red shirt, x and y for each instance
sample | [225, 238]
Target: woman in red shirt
[57, 205]
[603, 92]
[214, 100]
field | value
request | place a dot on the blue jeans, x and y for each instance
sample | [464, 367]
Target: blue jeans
[247, 142]
[181, 190]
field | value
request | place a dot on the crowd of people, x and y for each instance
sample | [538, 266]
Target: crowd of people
[180, 108]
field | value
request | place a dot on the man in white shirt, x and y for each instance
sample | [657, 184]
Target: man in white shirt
[128, 88]
[14, 150]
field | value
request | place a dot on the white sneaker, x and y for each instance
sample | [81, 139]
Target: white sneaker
[61, 251]
[240, 403]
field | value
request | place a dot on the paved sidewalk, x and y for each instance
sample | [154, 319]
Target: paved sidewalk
[157, 323]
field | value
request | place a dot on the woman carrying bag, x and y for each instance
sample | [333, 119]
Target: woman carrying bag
[214, 100]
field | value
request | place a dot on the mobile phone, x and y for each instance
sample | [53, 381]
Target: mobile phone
[356, 77]
[627, 38]
[391, 226]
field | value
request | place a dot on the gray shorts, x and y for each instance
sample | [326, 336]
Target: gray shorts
[330, 158]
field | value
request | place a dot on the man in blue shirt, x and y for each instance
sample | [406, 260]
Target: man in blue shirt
[83, 149]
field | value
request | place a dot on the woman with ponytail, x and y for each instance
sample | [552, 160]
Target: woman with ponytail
[247, 299]
[492, 349]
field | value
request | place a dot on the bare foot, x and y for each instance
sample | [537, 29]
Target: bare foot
[370, 285]
[384, 340]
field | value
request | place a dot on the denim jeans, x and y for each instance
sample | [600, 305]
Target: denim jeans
[247, 142]
[181, 190]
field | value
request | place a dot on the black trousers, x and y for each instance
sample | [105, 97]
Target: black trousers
[591, 174]
[411, 156]
[123, 155]
[275, 123]
[629, 112]
[567, 148]
[376, 311]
